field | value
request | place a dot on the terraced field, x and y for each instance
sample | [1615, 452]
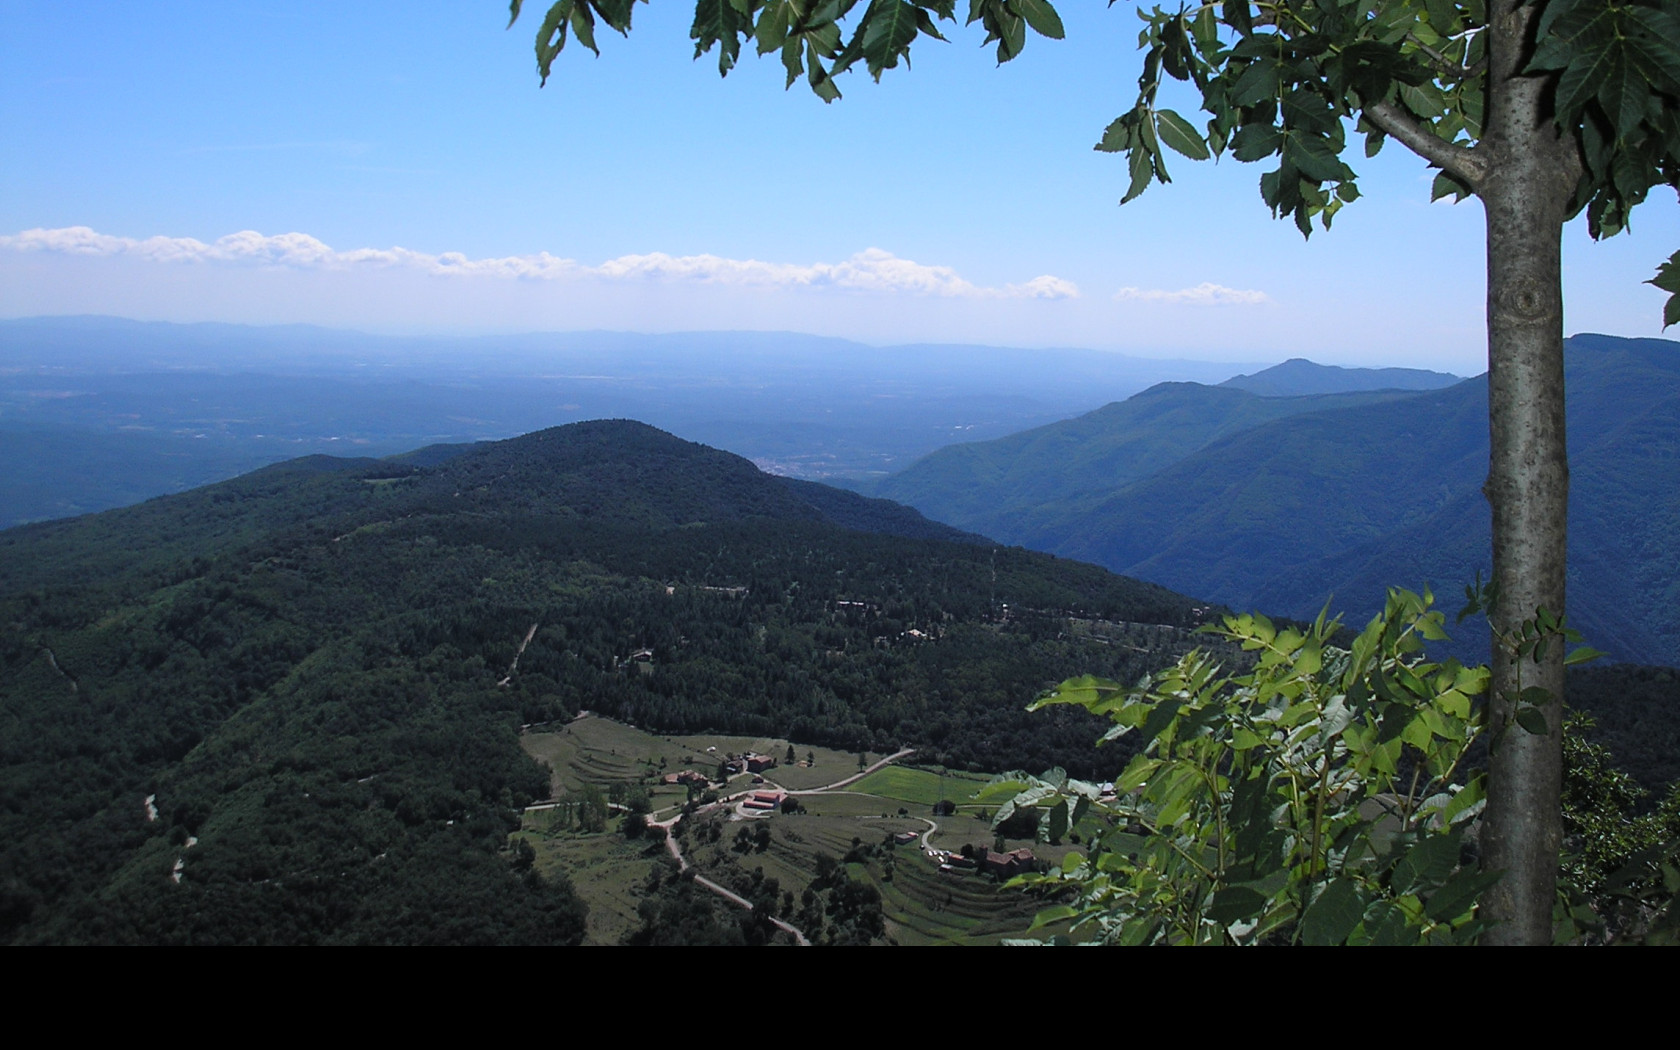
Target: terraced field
[921, 905]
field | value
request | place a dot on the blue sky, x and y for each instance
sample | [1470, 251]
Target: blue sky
[394, 167]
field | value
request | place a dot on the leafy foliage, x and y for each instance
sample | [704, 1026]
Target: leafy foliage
[1317, 798]
[1621, 868]
[1281, 81]
[1618, 82]
[808, 35]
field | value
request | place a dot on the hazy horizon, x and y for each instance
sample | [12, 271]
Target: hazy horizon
[397, 169]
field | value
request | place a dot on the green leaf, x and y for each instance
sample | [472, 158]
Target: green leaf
[1388, 926]
[1668, 279]
[1237, 16]
[1116, 138]
[1011, 36]
[1087, 691]
[1555, 11]
[887, 32]
[1256, 142]
[1374, 139]
[583, 26]
[551, 37]
[1304, 110]
[771, 31]
[1334, 914]
[1532, 719]
[1581, 656]
[1260, 82]
[1448, 184]
[716, 22]
[1443, 16]
[1655, 53]
[1416, 734]
[1234, 904]
[1054, 914]
[1041, 16]
[821, 82]
[1581, 80]
[1138, 772]
[1180, 134]
[1057, 821]
[1459, 894]
[1427, 864]
[1316, 157]
[1160, 718]
[1469, 801]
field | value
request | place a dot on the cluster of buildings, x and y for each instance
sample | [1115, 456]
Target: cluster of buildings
[989, 861]
[751, 762]
[687, 778]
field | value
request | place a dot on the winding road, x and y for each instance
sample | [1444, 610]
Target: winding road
[666, 823]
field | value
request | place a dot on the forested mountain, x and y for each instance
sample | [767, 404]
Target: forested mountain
[1298, 376]
[1280, 512]
[285, 708]
[1013, 487]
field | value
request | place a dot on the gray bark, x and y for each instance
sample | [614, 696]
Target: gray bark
[1530, 175]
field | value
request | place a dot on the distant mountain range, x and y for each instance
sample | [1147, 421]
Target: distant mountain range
[100, 412]
[1286, 500]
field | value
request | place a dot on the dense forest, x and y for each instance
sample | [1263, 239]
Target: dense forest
[285, 708]
[1247, 495]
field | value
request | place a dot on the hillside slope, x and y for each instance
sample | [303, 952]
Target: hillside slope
[998, 487]
[301, 691]
[1343, 499]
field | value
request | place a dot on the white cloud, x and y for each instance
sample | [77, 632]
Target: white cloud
[871, 270]
[1205, 294]
[1045, 287]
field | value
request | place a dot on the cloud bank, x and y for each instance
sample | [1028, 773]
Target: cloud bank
[872, 270]
[1204, 294]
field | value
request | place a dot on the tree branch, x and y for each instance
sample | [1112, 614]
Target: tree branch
[1445, 67]
[1462, 161]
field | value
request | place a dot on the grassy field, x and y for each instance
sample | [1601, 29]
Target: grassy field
[607, 871]
[921, 905]
[830, 767]
[593, 751]
[920, 787]
[600, 751]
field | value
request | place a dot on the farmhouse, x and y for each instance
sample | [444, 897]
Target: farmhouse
[1008, 865]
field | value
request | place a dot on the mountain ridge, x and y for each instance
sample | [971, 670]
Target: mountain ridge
[1348, 499]
[1298, 376]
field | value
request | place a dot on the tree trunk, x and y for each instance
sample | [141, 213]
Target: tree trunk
[1531, 174]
